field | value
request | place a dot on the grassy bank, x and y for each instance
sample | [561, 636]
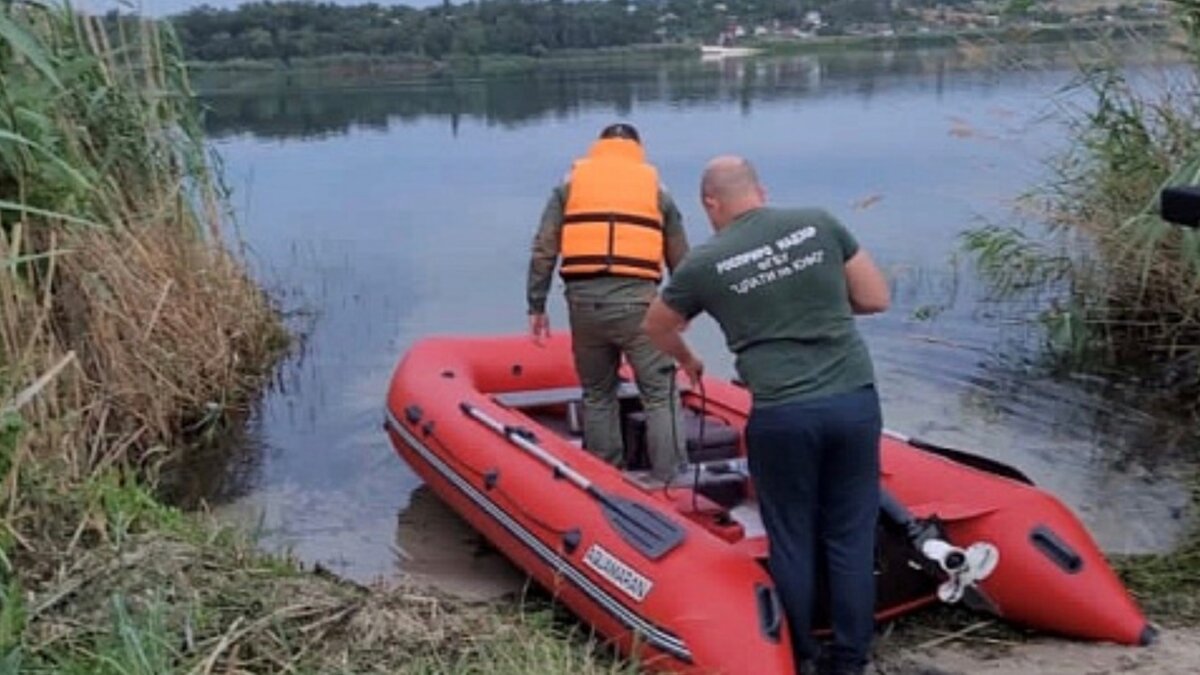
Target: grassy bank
[173, 593]
[129, 334]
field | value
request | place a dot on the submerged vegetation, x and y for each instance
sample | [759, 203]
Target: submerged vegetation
[1116, 289]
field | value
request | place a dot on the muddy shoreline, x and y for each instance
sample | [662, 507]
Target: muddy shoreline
[438, 550]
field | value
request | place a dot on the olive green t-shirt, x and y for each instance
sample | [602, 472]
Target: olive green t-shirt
[775, 281]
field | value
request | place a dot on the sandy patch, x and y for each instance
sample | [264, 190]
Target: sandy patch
[1177, 652]
[435, 547]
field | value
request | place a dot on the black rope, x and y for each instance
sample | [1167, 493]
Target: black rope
[700, 442]
[675, 419]
[672, 392]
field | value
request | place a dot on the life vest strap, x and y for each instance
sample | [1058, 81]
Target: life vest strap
[622, 218]
[609, 261]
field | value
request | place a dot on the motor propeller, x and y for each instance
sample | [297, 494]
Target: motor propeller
[964, 568]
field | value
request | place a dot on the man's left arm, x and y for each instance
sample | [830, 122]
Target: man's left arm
[675, 241]
[868, 289]
[544, 253]
[542, 260]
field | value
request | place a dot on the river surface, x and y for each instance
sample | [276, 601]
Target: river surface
[386, 210]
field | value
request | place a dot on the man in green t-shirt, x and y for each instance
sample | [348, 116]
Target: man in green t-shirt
[784, 285]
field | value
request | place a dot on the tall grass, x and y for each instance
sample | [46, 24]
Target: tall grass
[1118, 288]
[113, 264]
[126, 325]
[127, 329]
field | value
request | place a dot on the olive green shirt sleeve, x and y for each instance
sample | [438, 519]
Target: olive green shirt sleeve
[684, 292]
[544, 254]
[845, 239]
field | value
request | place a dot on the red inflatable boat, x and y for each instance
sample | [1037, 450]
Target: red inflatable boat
[674, 574]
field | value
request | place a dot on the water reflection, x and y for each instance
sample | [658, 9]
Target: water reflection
[308, 106]
[398, 210]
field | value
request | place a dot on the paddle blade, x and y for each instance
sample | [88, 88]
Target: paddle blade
[646, 529]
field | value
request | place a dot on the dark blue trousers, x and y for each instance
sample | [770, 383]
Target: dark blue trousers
[815, 467]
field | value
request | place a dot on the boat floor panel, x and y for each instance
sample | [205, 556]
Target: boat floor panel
[750, 518]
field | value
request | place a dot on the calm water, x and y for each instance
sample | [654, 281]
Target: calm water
[387, 211]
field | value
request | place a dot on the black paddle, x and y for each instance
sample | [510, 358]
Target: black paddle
[649, 531]
[965, 458]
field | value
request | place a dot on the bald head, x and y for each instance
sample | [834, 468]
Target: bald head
[729, 188]
[728, 177]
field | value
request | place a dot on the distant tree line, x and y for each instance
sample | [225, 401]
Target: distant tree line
[286, 30]
[293, 29]
[282, 31]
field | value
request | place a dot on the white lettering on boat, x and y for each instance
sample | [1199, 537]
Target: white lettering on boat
[618, 573]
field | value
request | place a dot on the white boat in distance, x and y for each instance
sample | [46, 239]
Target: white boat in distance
[720, 52]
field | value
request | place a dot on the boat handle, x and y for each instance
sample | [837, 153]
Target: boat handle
[770, 613]
[1056, 549]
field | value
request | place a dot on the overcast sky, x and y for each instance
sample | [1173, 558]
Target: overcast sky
[165, 7]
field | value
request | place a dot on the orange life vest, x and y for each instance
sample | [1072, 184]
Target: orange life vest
[612, 224]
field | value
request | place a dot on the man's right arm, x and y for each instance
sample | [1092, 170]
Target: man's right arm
[668, 316]
[544, 253]
[664, 326]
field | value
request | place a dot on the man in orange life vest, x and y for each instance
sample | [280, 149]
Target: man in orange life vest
[614, 227]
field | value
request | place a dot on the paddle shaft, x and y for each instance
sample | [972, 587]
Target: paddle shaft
[646, 529]
[520, 437]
